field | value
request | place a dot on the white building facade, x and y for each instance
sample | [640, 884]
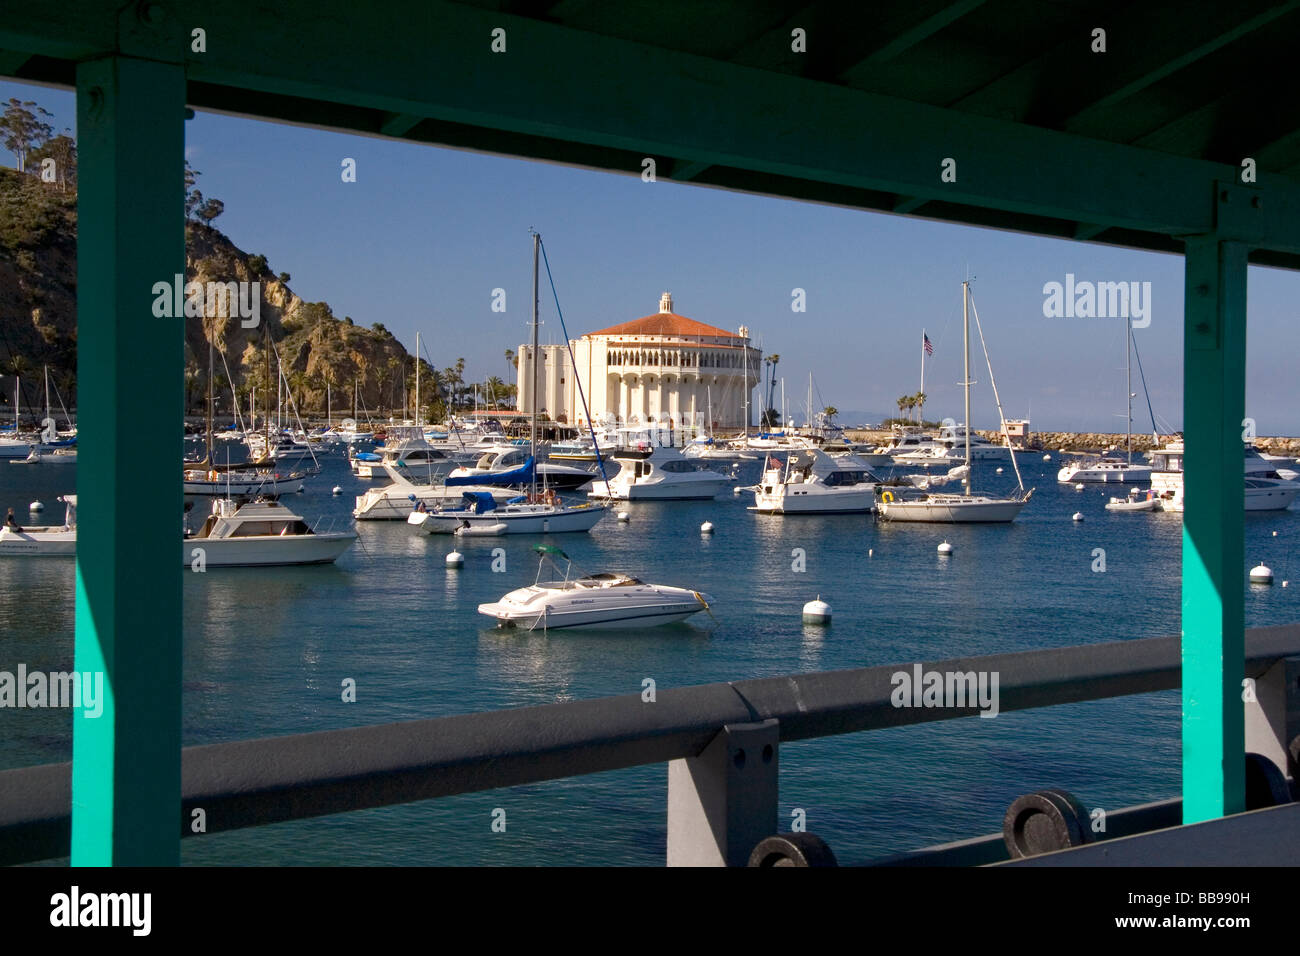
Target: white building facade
[663, 369]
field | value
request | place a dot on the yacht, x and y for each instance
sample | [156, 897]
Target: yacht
[44, 540]
[605, 600]
[207, 481]
[949, 447]
[1104, 469]
[260, 533]
[407, 451]
[907, 438]
[815, 483]
[1263, 490]
[660, 477]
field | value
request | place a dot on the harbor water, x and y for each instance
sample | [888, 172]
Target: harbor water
[267, 652]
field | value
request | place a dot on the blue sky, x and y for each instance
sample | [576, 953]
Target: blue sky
[424, 235]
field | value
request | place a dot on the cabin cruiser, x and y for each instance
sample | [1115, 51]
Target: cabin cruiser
[907, 438]
[407, 451]
[260, 533]
[815, 483]
[1104, 469]
[44, 540]
[660, 477]
[605, 600]
[1263, 490]
[950, 445]
[502, 459]
[1259, 462]
[479, 514]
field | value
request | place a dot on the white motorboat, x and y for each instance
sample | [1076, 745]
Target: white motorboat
[815, 483]
[44, 540]
[1257, 462]
[949, 446]
[907, 438]
[1135, 501]
[1104, 470]
[406, 450]
[478, 512]
[1263, 490]
[604, 600]
[666, 476]
[260, 533]
[204, 481]
[967, 507]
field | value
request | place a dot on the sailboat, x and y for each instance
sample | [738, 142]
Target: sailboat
[1106, 468]
[534, 513]
[965, 507]
[51, 450]
[11, 445]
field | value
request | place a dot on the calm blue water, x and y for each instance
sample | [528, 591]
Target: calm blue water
[266, 652]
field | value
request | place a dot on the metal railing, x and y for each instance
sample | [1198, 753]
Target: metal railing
[270, 780]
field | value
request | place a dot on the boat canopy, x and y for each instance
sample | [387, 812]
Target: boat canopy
[522, 475]
[482, 501]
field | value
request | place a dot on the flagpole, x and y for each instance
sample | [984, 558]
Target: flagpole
[921, 410]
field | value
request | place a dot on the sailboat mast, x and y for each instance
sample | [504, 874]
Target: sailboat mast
[419, 421]
[921, 411]
[1128, 390]
[965, 347]
[210, 399]
[532, 429]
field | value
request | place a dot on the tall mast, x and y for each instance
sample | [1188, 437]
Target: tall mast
[1128, 390]
[418, 420]
[210, 356]
[267, 400]
[920, 414]
[532, 428]
[965, 347]
[746, 388]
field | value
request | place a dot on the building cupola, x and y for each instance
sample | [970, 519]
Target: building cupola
[666, 302]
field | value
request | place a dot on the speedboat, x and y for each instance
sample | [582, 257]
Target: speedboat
[606, 600]
[260, 533]
[44, 540]
[663, 477]
[815, 483]
[479, 513]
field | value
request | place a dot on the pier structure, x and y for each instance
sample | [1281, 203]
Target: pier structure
[1124, 132]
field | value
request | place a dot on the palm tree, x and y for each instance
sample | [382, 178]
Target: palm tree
[495, 389]
[830, 411]
[771, 387]
[920, 404]
[512, 359]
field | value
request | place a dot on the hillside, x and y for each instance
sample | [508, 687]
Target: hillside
[38, 270]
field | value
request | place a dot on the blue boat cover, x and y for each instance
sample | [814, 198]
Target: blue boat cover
[523, 475]
[368, 456]
[482, 501]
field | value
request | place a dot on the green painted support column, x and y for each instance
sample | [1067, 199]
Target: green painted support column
[131, 234]
[1214, 394]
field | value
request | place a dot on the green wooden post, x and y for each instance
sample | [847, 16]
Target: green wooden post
[126, 762]
[1214, 393]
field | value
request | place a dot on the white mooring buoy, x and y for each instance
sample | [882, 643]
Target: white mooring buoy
[1078, 516]
[999, 469]
[944, 548]
[1047, 458]
[455, 560]
[817, 612]
[870, 551]
[1078, 486]
[336, 491]
[1261, 574]
[624, 517]
[706, 528]
[36, 506]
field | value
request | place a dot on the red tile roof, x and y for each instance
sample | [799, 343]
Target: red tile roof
[665, 323]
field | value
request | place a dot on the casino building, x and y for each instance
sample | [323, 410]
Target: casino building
[664, 369]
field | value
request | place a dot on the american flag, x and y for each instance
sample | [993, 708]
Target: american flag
[929, 349]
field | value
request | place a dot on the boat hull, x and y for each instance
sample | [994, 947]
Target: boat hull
[691, 490]
[983, 511]
[797, 502]
[266, 550]
[1125, 474]
[38, 543]
[520, 521]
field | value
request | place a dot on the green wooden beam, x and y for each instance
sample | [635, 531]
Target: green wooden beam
[614, 97]
[1214, 372]
[126, 762]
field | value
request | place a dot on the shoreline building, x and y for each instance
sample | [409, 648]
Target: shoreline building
[663, 369]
